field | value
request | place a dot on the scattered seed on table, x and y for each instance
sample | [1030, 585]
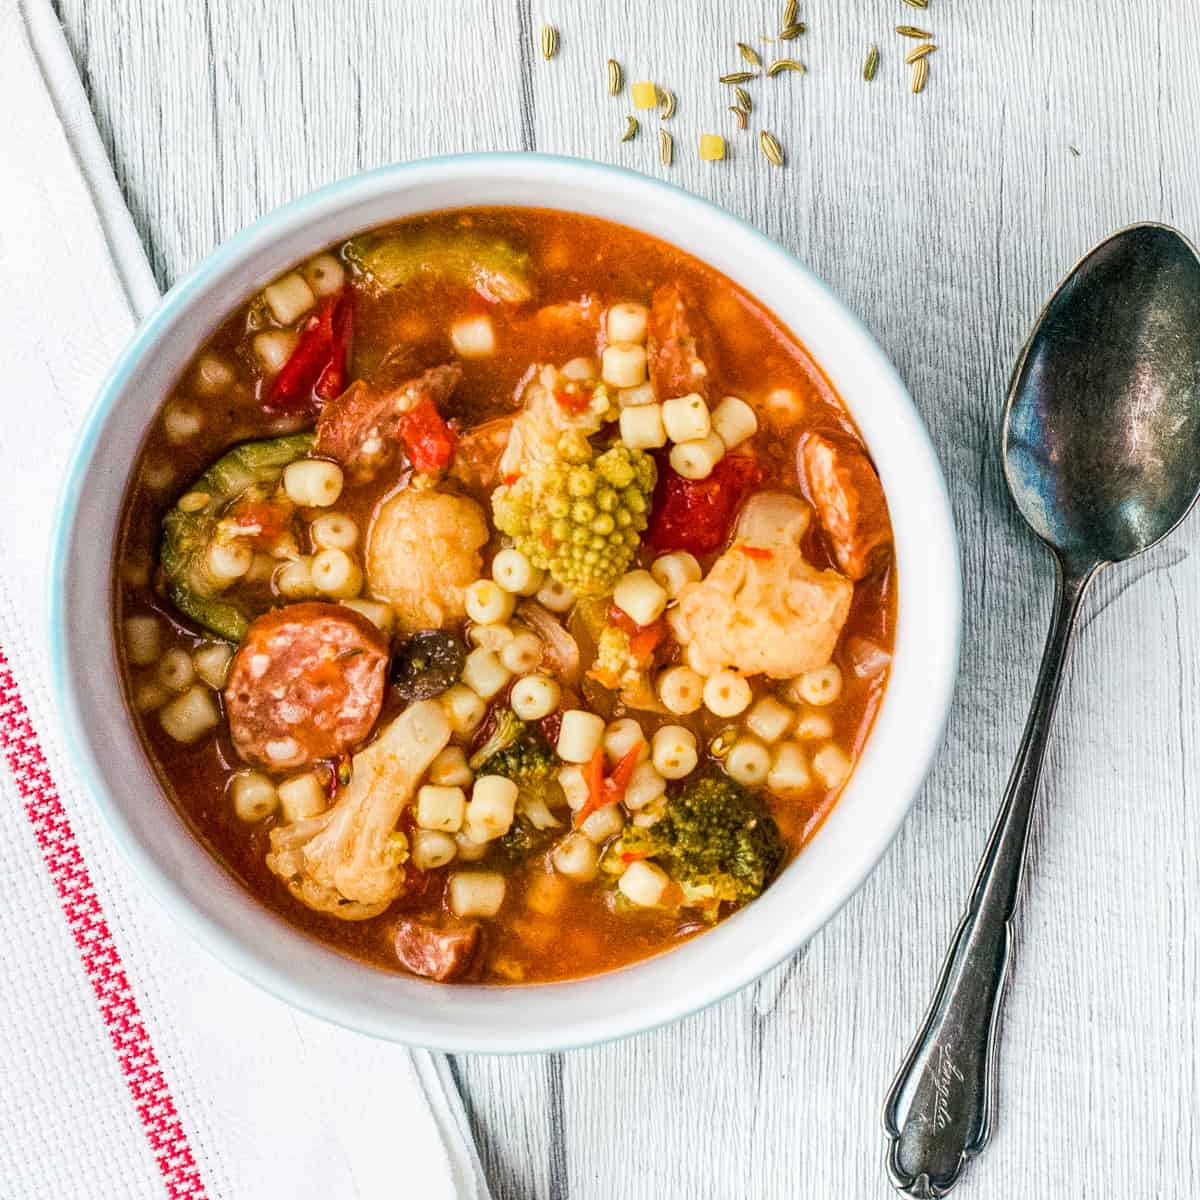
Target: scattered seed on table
[785, 64]
[549, 42]
[872, 64]
[749, 54]
[917, 3]
[919, 52]
[631, 129]
[668, 103]
[790, 12]
[771, 148]
[920, 75]
[738, 77]
[911, 31]
[743, 98]
[616, 77]
[788, 32]
[740, 114]
[666, 147]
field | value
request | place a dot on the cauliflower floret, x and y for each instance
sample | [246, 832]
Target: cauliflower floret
[348, 861]
[422, 553]
[549, 430]
[763, 608]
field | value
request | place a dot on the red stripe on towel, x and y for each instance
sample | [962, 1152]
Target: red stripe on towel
[101, 962]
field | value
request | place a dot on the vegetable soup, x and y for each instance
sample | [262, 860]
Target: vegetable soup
[504, 596]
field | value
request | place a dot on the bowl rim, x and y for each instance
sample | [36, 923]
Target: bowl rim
[343, 1006]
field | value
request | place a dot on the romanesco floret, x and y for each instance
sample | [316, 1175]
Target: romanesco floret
[715, 840]
[581, 521]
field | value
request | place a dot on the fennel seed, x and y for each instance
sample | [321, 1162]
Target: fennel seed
[785, 64]
[770, 146]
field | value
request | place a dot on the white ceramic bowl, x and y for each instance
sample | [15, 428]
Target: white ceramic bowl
[181, 875]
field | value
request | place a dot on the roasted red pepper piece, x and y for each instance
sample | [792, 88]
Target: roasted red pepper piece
[697, 514]
[332, 382]
[427, 438]
[603, 792]
[318, 363]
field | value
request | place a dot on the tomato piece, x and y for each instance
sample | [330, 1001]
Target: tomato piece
[697, 514]
[428, 439]
[622, 620]
[261, 523]
[643, 643]
[575, 403]
[761, 553]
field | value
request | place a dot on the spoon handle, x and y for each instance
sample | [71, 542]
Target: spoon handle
[938, 1112]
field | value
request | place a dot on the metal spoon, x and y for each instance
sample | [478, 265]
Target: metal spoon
[1101, 452]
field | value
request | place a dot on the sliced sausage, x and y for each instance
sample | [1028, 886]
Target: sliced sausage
[679, 345]
[435, 953]
[477, 455]
[848, 497]
[361, 428]
[307, 683]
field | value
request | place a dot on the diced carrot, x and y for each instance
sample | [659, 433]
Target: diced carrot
[603, 792]
[760, 553]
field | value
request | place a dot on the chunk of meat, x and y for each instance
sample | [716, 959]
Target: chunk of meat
[436, 953]
[307, 683]
[348, 861]
[363, 429]
[679, 344]
[849, 502]
[763, 608]
[477, 456]
[422, 552]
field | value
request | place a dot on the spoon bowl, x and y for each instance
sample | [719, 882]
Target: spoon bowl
[1102, 429]
[1101, 447]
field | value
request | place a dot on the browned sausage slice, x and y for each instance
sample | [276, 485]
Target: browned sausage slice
[361, 428]
[477, 455]
[679, 353]
[848, 497]
[439, 954]
[307, 683]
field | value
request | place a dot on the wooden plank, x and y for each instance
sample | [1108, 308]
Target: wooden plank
[944, 220]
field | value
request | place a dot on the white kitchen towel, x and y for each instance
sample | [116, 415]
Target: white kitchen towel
[132, 1063]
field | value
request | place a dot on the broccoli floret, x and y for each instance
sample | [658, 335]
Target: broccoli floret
[508, 727]
[581, 521]
[715, 840]
[526, 758]
[530, 762]
[521, 842]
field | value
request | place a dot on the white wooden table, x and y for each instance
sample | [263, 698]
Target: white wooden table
[944, 220]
